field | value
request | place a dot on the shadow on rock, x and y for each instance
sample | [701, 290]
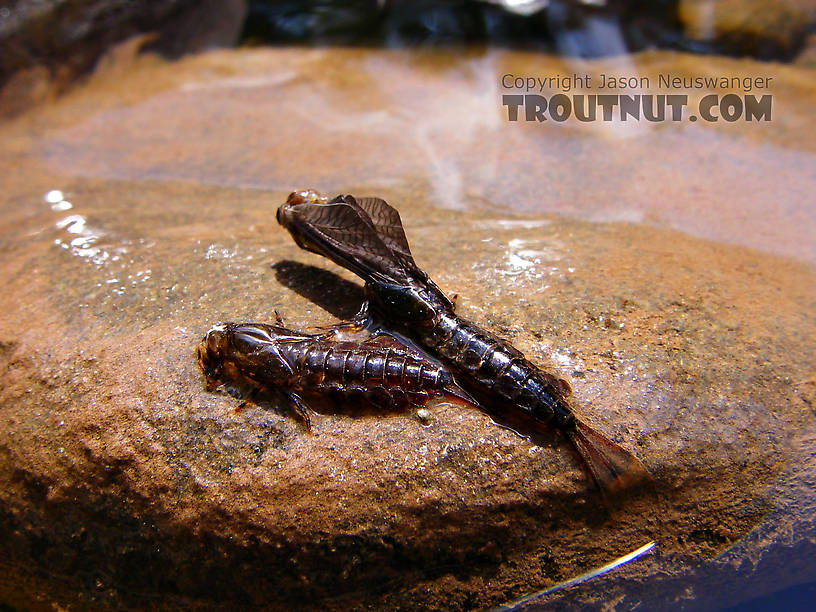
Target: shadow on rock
[326, 289]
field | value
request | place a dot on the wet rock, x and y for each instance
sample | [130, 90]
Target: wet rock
[28, 87]
[124, 483]
[311, 105]
[807, 57]
[759, 29]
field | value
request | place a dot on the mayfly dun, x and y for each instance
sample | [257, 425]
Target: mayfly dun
[365, 236]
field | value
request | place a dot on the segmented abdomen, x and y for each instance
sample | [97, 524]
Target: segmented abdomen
[495, 364]
[330, 365]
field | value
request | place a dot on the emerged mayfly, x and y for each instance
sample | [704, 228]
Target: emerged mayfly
[365, 235]
[298, 367]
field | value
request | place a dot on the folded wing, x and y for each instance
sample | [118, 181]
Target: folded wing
[364, 236]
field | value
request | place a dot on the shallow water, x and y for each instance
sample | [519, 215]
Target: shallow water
[337, 119]
[665, 269]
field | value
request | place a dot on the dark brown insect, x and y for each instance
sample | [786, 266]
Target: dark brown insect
[366, 236]
[273, 359]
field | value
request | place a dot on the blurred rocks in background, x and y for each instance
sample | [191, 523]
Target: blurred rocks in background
[46, 44]
[807, 57]
[588, 28]
[757, 28]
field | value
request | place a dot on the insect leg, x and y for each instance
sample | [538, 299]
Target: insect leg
[278, 318]
[248, 398]
[361, 320]
[359, 328]
[338, 328]
[301, 409]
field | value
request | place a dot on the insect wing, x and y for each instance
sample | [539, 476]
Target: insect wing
[388, 225]
[364, 236]
[387, 221]
[343, 232]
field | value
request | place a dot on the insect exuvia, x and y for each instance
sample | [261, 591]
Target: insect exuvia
[365, 236]
[297, 366]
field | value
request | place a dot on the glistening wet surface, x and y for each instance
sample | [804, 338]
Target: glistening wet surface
[397, 120]
[665, 269]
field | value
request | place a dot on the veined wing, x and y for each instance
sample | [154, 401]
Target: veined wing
[345, 232]
[386, 220]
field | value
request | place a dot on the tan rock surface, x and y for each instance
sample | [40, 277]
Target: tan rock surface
[124, 483]
[761, 29]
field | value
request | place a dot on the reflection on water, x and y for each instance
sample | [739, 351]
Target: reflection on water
[82, 240]
[54, 197]
[122, 267]
[62, 205]
[534, 598]
[436, 122]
